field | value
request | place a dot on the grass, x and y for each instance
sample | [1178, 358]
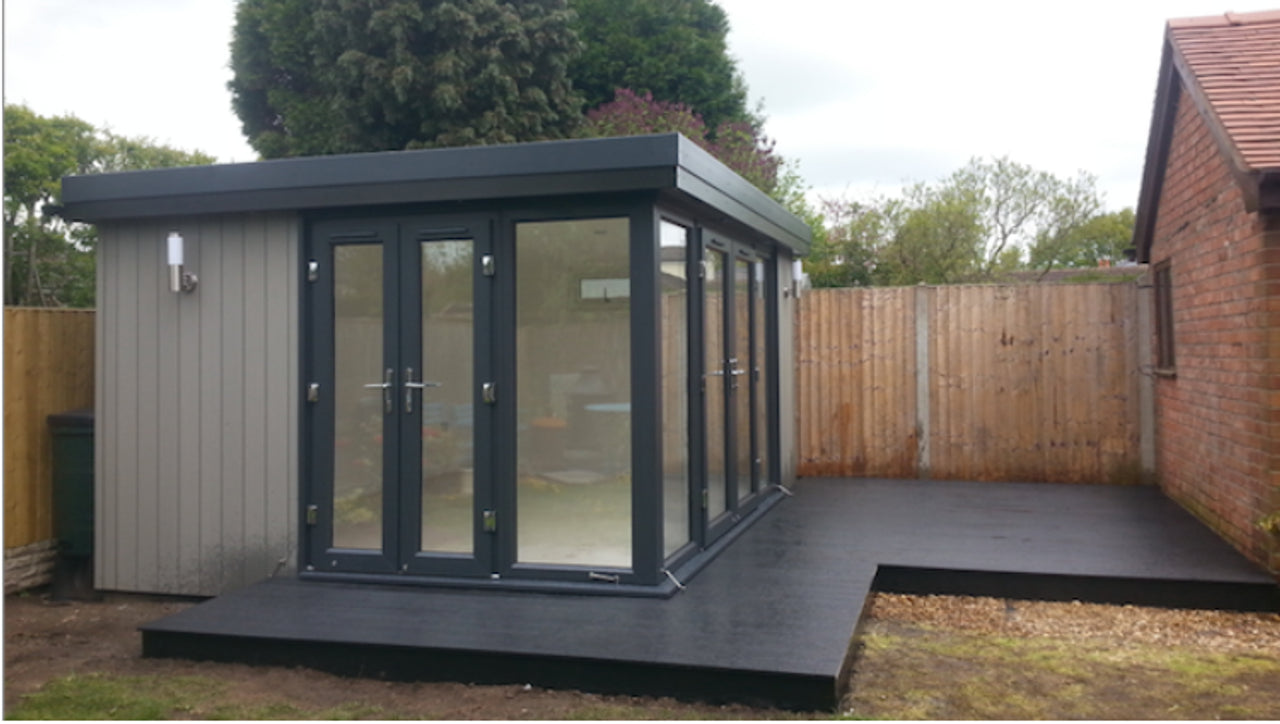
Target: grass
[902, 672]
[924, 674]
[105, 697]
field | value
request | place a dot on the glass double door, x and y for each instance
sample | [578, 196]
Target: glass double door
[735, 400]
[400, 469]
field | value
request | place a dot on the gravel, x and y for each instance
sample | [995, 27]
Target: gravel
[1219, 631]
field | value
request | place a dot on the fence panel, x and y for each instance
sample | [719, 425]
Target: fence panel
[48, 368]
[1030, 382]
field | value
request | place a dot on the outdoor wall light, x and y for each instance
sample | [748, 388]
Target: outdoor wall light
[179, 280]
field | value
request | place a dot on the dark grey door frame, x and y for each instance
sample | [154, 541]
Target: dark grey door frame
[736, 505]
[399, 238]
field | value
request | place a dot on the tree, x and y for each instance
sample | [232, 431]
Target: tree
[940, 239]
[738, 145]
[1103, 237]
[46, 261]
[314, 77]
[847, 253]
[674, 49]
[974, 225]
[1018, 204]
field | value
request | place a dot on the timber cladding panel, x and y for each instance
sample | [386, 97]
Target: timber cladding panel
[1019, 383]
[1217, 413]
[197, 405]
[48, 368]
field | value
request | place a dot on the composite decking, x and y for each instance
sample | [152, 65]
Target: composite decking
[770, 620]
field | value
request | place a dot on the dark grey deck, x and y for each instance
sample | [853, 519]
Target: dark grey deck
[768, 621]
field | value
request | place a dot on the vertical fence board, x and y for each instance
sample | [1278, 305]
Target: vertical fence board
[1026, 382]
[48, 368]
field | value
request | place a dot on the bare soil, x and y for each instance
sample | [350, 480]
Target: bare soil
[929, 657]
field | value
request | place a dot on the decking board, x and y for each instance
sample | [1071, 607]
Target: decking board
[770, 620]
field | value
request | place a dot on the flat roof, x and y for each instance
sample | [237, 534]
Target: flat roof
[668, 163]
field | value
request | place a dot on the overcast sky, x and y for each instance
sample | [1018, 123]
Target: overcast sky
[864, 95]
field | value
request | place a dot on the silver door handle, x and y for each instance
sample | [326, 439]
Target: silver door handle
[410, 385]
[735, 373]
[388, 381]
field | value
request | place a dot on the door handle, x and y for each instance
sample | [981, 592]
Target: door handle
[388, 381]
[410, 385]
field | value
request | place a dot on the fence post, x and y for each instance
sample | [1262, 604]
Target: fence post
[924, 302]
[1146, 382]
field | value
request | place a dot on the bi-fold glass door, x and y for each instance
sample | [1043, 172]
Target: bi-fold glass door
[735, 402]
[400, 464]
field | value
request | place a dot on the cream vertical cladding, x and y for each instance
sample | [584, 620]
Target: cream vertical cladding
[103, 399]
[169, 500]
[786, 419]
[122, 418]
[150, 280]
[196, 405]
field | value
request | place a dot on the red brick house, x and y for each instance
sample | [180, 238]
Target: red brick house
[1208, 223]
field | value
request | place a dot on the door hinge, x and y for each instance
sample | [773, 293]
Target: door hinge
[706, 498]
[487, 265]
[490, 519]
[313, 514]
[313, 270]
[489, 393]
[702, 269]
[313, 392]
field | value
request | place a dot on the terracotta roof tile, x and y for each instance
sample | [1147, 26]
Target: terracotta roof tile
[1235, 60]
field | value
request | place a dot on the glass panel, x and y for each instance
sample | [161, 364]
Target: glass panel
[742, 364]
[674, 284]
[760, 378]
[448, 429]
[573, 392]
[358, 410]
[713, 342]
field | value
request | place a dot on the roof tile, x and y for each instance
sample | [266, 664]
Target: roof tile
[1235, 60]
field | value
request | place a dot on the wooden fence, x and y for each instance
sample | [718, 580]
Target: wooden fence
[1032, 382]
[48, 368]
[1029, 382]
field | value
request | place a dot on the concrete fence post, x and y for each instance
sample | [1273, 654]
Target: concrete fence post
[924, 304]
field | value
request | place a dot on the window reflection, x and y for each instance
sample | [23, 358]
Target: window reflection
[573, 380]
[674, 285]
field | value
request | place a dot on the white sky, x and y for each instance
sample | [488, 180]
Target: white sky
[865, 95]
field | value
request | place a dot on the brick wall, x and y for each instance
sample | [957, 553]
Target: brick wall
[1217, 419]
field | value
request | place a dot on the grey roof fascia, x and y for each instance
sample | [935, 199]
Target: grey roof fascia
[312, 181]
[705, 178]
[632, 163]
[368, 194]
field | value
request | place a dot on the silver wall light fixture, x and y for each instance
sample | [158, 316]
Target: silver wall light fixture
[179, 280]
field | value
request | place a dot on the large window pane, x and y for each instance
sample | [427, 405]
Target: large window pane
[760, 377]
[358, 408]
[675, 385]
[742, 364]
[573, 380]
[714, 366]
[448, 420]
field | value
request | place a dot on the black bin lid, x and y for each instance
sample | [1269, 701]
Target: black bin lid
[72, 418]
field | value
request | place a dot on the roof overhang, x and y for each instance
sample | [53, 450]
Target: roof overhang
[1260, 187]
[669, 164]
